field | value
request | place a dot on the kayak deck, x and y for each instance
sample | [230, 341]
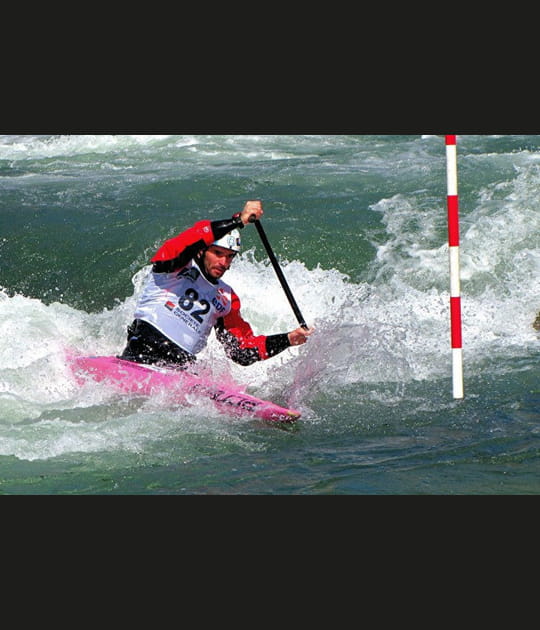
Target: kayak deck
[146, 380]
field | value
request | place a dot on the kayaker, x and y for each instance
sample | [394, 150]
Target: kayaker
[185, 298]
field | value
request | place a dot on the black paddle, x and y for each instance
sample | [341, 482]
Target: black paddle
[279, 272]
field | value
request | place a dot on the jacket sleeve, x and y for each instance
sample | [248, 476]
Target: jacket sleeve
[239, 341]
[178, 251]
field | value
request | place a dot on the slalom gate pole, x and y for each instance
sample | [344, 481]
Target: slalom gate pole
[455, 283]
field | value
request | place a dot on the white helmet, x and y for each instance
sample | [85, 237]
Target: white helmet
[230, 241]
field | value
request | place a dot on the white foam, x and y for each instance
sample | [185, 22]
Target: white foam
[41, 147]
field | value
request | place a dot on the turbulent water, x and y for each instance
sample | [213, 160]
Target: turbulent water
[359, 224]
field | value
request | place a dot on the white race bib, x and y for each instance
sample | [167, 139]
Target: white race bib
[184, 306]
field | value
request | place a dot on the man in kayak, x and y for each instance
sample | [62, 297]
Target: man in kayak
[185, 298]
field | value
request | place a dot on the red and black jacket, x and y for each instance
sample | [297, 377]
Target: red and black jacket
[240, 343]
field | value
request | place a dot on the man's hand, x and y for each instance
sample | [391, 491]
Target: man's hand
[251, 209]
[299, 336]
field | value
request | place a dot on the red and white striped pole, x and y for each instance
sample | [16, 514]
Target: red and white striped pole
[455, 284]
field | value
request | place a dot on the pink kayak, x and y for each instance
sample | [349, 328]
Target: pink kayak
[146, 380]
